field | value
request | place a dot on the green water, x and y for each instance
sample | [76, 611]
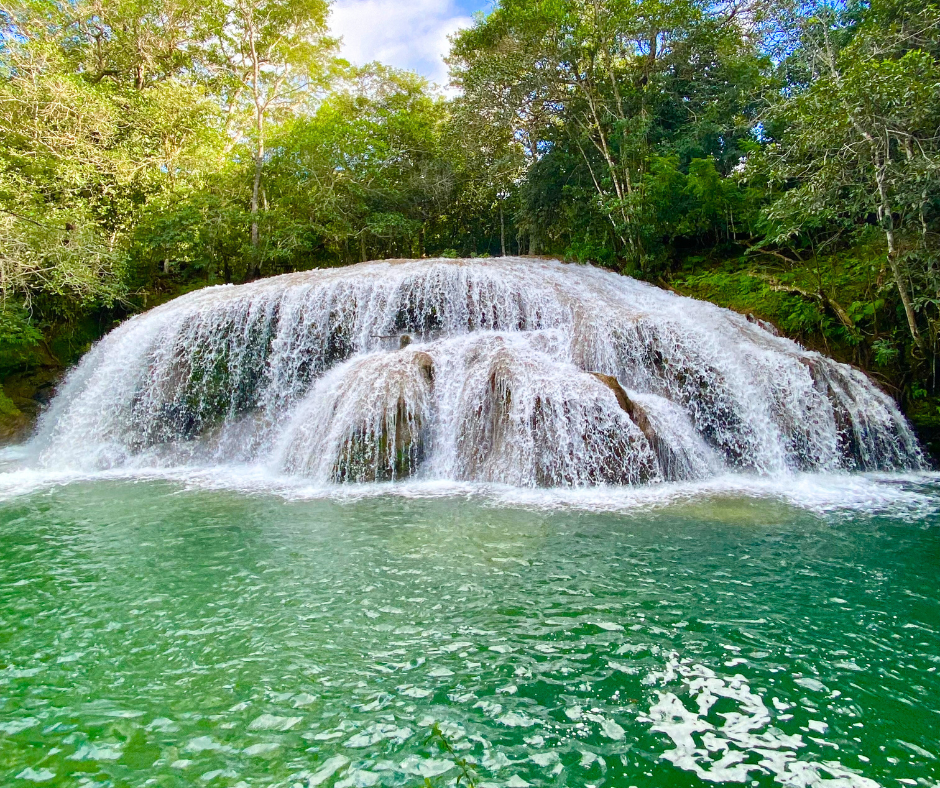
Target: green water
[157, 636]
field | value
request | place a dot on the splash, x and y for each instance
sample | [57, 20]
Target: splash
[513, 371]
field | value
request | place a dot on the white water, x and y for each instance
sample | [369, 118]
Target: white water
[746, 743]
[302, 376]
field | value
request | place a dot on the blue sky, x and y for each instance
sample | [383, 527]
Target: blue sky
[404, 33]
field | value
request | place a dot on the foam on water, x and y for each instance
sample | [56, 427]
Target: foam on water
[744, 744]
[911, 496]
[515, 372]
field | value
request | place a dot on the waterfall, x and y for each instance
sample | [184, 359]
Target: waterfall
[510, 370]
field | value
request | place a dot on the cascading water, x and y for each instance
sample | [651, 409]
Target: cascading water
[518, 371]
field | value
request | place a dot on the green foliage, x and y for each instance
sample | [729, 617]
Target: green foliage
[611, 104]
[857, 145]
[467, 775]
[362, 177]
[98, 119]
[742, 291]
[18, 337]
[886, 352]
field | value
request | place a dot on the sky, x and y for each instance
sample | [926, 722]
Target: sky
[408, 34]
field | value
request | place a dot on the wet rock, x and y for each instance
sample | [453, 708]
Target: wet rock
[426, 365]
[622, 399]
[636, 412]
[339, 344]
[768, 327]
[419, 314]
[23, 397]
[850, 449]
[391, 444]
[485, 441]
[667, 458]
[383, 455]
[14, 424]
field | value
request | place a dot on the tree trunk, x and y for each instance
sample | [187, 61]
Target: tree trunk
[502, 230]
[901, 283]
[887, 222]
[260, 107]
[256, 200]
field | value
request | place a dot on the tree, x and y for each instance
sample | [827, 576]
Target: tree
[861, 139]
[273, 56]
[87, 137]
[364, 175]
[613, 84]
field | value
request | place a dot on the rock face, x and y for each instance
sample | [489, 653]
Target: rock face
[667, 458]
[629, 406]
[512, 371]
[426, 364]
[22, 398]
[393, 445]
[14, 424]
[393, 452]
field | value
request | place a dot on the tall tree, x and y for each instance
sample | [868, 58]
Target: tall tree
[85, 141]
[365, 174]
[273, 57]
[611, 83]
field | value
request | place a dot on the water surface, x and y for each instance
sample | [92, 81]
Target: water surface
[152, 633]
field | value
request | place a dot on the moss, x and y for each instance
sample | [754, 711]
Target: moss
[13, 422]
[368, 456]
[838, 303]
[7, 406]
[925, 413]
[924, 416]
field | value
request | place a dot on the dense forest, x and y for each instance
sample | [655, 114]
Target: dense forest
[781, 158]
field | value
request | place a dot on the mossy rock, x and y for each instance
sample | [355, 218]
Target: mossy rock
[373, 454]
[368, 456]
[924, 416]
[22, 399]
[14, 424]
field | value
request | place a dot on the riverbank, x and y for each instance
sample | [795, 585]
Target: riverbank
[32, 367]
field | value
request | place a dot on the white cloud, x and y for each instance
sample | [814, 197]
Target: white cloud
[408, 34]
